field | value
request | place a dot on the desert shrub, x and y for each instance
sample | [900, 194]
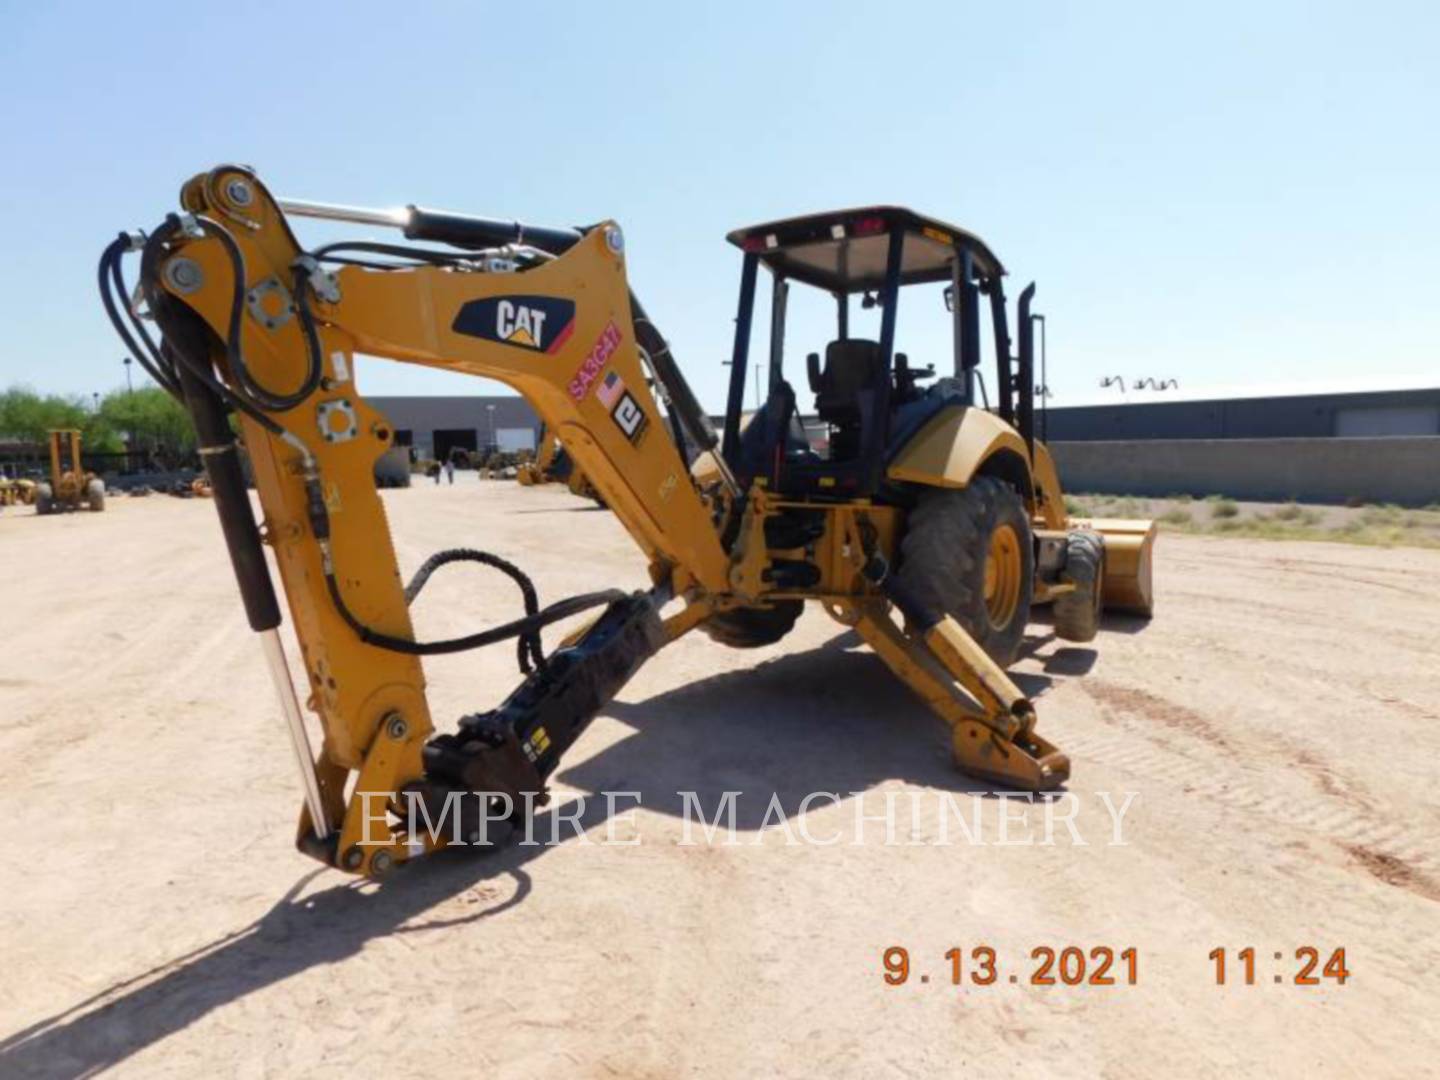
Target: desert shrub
[1224, 508]
[1386, 514]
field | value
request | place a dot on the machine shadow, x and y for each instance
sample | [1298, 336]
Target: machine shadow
[1119, 622]
[832, 719]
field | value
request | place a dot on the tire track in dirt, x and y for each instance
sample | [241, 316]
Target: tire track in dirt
[1317, 622]
[100, 669]
[1154, 707]
[1402, 579]
[1406, 855]
[1393, 871]
[196, 654]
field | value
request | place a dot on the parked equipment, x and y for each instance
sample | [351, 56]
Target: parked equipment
[927, 523]
[16, 490]
[70, 487]
[392, 468]
[554, 465]
[542, 469]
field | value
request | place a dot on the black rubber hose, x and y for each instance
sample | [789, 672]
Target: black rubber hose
[313, 353]
[561, 609]
[529, 652]
[151, 361]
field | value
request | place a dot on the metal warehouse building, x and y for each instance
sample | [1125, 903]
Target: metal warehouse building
[1364, 414]
[436, 425]
[1328, 445]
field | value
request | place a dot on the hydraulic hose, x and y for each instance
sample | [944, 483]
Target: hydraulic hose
[528, 647]
[530, 624]
[110, 274]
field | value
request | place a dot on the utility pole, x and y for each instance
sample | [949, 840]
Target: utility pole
[129, 389]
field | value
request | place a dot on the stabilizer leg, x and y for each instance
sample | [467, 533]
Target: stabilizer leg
[992, 724]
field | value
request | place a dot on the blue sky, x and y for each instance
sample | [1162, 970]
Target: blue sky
[1233, 193]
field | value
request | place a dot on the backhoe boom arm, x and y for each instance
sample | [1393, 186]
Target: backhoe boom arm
[232, 290]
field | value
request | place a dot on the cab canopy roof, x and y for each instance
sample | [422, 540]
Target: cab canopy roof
[844, 251]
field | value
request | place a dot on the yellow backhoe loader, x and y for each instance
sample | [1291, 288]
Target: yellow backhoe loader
[554, 465]
[927, 523]
[541, 470]
[70, 487]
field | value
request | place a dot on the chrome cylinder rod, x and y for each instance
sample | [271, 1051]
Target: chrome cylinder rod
[397, 218]
[299, 740]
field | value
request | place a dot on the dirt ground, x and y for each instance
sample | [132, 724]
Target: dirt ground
[1278, 723]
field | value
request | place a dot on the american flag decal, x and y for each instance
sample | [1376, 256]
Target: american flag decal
[610, 389]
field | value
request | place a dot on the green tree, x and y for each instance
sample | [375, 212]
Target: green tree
[151, 419]
[26, 415]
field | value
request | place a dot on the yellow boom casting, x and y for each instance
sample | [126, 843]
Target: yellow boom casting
[927, 523]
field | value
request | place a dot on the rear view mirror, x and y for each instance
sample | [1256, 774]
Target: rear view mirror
[950, 298]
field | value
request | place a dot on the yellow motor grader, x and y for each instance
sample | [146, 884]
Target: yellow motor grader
[70, 487]
[926, 522]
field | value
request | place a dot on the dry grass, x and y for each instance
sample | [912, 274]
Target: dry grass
[1371, 524]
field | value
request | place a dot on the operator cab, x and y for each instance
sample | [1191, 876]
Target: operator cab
[868, 398]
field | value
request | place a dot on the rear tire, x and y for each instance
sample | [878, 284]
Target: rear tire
[1077, 614]
[44, 499]
[970, 549]
[95, 495]
[752, 627]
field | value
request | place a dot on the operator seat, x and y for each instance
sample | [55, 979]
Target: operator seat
[851, 366]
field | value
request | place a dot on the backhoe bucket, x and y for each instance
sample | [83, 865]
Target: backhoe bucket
[1129, 550]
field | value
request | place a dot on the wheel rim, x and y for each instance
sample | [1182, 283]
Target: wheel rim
[1002, 576]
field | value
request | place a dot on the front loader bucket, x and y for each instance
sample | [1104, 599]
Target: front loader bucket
[1129, 549]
